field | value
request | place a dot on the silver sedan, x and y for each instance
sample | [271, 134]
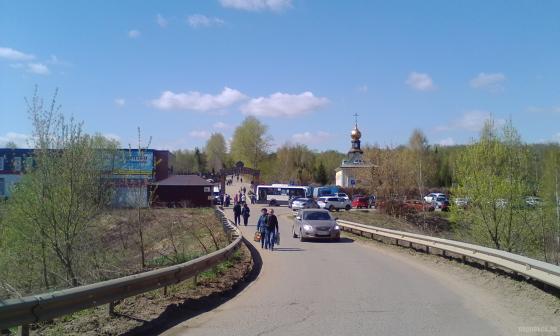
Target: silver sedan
[304, 203]
[315, 224]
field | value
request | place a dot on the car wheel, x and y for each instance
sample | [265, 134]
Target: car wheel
[301, 239]
[337, 239]
[331, 208]
[348, 208]
[294, 235]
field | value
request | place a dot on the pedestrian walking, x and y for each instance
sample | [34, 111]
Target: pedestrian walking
[245, 213]
[262, 227]
[236, 199]
[244, 190]
[237, 213]
[243, 198]
[271, 229]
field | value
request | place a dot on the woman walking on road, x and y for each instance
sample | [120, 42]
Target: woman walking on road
[262, 227]
[245, 213]
[272, 229]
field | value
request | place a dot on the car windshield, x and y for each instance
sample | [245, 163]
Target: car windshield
[316, 215]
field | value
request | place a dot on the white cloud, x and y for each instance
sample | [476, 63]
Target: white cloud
[203, 21]
[447, 142]
[284, 105]
[112, 136]
[492, 82]
[540, 109]
[221, 125]
[199, 134]
[362, 88]
[556, 137]
[37, 68]
[120, 102]
[196, 101]
[310, 138]
[472, 121]
[258, 5]
[161, 21]
[21, 140]
[420, 81]
[15, 55]
[134, 33]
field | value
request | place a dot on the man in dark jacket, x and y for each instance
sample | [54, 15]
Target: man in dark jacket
[272, 230]
[245, 213]
[237, 213]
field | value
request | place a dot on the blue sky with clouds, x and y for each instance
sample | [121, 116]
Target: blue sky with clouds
[181, 70]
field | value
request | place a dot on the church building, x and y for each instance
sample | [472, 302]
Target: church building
[348, 172]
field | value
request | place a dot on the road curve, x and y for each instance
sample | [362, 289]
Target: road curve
[345, 288]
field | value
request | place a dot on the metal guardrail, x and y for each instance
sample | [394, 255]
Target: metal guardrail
[43, 307]
[535, 269]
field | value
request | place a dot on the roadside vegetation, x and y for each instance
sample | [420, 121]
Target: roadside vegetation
[59, 229]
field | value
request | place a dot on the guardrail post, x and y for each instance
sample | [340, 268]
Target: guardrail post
[396, 242]
[23, 330]
[111, 308]
[195, 280]
[164, 290]
[427, 249]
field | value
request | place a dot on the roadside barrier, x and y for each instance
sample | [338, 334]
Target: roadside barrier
[43, 307]
[535, 269]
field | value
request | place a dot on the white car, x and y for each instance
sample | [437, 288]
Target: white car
[432, 197]
[334, 203]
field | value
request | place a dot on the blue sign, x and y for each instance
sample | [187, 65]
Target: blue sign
[133, 164]
[352, 182]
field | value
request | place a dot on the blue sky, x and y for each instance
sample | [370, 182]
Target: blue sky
[181, 70]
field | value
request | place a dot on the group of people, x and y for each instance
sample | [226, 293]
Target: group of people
[241, 211]
[267, 226]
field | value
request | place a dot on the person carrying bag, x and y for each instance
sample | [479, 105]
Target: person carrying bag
[262, 228]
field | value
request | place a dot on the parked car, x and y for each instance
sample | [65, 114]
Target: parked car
[372, 201]
[533, 201]
[360, 202]
[341, 195]
[501, 203]
[417, 206]
[462, 202]
[441, 202]
[315, 224]
[334, 203]
[432, 196]
[304, 203]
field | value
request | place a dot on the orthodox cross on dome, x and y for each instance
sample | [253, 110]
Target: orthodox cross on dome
[356, 118]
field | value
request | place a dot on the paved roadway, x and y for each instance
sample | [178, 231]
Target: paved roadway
[345, 288]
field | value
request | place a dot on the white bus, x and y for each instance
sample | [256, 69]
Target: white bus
[280, 194]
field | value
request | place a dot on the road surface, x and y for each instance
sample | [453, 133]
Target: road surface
[344, 288]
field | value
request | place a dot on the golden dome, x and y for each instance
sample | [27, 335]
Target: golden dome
[356, 134]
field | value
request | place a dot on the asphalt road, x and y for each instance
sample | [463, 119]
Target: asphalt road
[344, 288]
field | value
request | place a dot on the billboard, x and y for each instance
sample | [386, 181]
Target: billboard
[133, 164]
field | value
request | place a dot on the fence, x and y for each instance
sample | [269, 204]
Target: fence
[535, 269]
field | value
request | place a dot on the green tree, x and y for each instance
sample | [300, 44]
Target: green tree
[199, 160]
[549, 221]
[321, 174]
[250, 142]
[216, 152]
[184, 162]
[492, 173]
[50, 212]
